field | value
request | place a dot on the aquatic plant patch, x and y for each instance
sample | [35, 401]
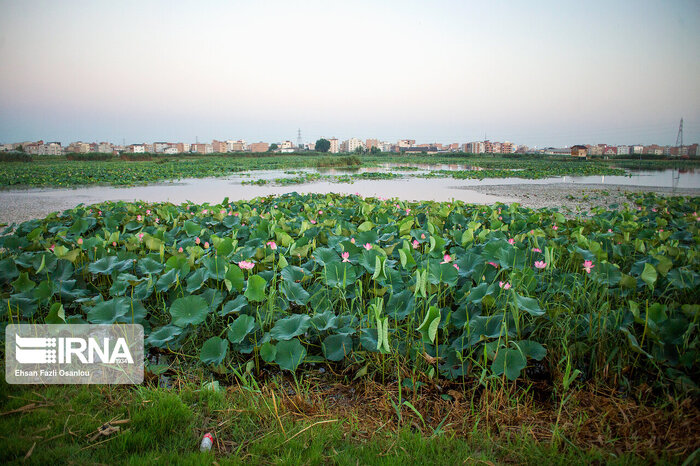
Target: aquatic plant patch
[451, 290]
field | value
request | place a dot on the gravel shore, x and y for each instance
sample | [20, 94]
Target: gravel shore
[576, 197]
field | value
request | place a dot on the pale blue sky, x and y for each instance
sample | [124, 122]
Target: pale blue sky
[534, 72]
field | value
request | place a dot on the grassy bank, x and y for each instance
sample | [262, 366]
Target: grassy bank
[313, 422]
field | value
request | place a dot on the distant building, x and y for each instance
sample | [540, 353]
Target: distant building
[508, 148]
[219, 147]
[182, 147]
[258, 147]
[105, 147]
[170, 150]
[637, 149]
[353, 144]
[370, 143]
[335, 147]
[200, 148]
[159, 147]
[286, 145]
[137, 148]
[579, 151]
[78, 147]
[623, 150]
[236, 146]
[476, 147]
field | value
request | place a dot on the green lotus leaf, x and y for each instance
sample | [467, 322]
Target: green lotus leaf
[190, 310]
[509, 361]
[290, 327]
[213, 351]
[255, 290]
[290, 354]
[240, 328]
[337, 347]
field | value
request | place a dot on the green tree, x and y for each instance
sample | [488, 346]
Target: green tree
[375, 150]
[273, 147]
[323, 145]
[359, 150]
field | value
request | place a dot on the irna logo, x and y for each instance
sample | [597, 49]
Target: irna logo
[30, 350]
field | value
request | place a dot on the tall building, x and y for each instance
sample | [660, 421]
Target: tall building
[335, 147]
[353, 144]
[623, 150]
[370, 143]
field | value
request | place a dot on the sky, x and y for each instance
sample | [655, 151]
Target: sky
[540, 73]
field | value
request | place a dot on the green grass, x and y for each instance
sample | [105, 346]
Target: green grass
[166, 425]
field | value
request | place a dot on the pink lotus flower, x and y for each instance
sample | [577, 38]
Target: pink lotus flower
[408, 211]
[446, 259]
[415, 244]
[99, 213]
[246, 265]
[313, 222]
[140, 236]
[532, 232]
[230, 213]
[540, 264]
[493, 264]
[180, 249]
[206, 245]
[80, 240]
[504, 285]
[500, 218]
[653, 209]
[367, 246]
[346, 256]
[114, 243]
[197, 240]
[587, 266]
[205, 211]
[148, 212]
[320, 212]
[609, 230]
[223, 211]
[352, 240]
[235, 214]
[138, 218]
[157, 220]
[511, 241]
[52, 247]
[272, 245]
[422, 236]
[456, 266]
[536, 250]
[661, 230]
[555, 228]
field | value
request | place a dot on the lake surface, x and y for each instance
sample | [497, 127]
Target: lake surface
[23, 204]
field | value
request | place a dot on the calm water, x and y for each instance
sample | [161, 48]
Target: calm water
[24, 204]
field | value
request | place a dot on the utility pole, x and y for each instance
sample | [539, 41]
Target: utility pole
[679, 138]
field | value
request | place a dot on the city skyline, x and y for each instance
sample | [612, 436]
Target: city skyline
[541, 73]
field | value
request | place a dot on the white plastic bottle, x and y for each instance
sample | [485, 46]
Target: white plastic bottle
[207, 442]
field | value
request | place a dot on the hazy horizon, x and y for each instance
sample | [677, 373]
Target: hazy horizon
[535, 73]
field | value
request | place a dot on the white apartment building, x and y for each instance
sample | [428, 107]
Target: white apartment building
[335, 147]
[623, 150]
[137, 148]
[354, 143]
[637, 149]
[170, 150]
